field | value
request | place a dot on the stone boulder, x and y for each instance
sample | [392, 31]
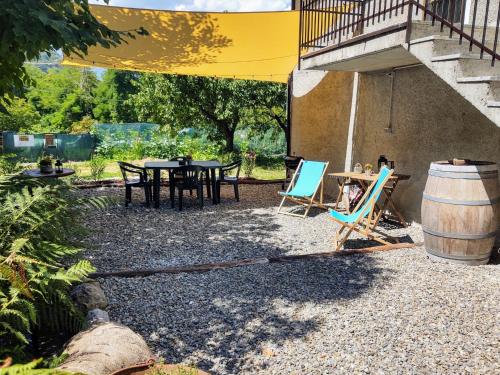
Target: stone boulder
[97, 316]
[89, 296]
[103, 349]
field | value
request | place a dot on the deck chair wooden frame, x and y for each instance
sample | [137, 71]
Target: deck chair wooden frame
[365, 225]
[306, 202]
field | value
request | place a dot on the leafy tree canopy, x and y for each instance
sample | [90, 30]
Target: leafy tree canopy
[62, 97]
[110, 97]
[30, 27]
[218, 105]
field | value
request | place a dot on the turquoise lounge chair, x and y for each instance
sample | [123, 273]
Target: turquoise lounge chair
[364, 217]
[303, 188]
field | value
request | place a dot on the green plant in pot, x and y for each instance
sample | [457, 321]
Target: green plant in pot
[45, 164]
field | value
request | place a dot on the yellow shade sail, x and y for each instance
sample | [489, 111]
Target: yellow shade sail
[261, 46]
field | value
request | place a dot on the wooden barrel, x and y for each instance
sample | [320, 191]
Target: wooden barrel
[460, 211]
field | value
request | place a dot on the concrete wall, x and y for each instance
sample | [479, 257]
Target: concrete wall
[430, 121]
[319, 119]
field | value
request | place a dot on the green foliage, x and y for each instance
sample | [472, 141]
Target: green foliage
[62, 97]
[85, 125]
[110, 104]
[31, 368]
[9, 164]
[97, 166]
[248, 164]
[160, 146]
[218, 106]
[39, 222]
[31, 27]
[22, 116]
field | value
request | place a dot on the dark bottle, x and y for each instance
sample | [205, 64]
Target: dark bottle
[382, 160]
[59, 166]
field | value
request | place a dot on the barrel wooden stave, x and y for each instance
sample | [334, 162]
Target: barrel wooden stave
[459, 215]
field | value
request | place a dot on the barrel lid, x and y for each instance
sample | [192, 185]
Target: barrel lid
[472, 166]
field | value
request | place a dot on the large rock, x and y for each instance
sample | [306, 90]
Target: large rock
[105, 348]
[89, 296]
[97, 316]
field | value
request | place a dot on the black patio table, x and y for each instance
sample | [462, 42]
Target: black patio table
[171, 166]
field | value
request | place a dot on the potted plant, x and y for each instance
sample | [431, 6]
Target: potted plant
[45, 164]
[368, 169]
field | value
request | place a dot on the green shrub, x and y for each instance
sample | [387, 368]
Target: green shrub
[8, 164]
[97, 166]
[39, 226]
[32, 368]
[249, 163]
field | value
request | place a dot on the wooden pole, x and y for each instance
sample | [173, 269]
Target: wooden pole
[248, 262]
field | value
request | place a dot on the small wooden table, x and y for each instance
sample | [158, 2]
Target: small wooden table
[364, 181]
[35, 173]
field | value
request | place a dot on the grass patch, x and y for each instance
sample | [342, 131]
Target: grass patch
[112, 171]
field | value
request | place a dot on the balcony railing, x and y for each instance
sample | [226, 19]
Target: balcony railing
[336, 23]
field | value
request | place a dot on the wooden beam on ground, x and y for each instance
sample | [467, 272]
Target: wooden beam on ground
[248, 262]
[366, 250]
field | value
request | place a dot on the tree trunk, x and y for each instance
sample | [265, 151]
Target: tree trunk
[229, 134]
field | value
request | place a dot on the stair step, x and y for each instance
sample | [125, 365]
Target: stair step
[493, 104]
[479, 79]
[456, 56]
[432, 38]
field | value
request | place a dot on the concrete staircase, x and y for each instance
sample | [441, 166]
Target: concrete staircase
[472, 77]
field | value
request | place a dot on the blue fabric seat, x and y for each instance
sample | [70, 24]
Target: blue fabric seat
[305, 184]
[354, 221]
[363, 210]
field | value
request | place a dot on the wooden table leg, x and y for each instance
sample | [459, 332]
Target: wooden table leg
[341, 192]
[393, 207]
[321, 194]
[156, 187]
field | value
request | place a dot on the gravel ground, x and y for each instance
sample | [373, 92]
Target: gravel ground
[393, 312]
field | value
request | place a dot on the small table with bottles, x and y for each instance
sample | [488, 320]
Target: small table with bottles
[364, 180]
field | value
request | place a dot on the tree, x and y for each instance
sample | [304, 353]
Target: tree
[22, 116]
[30, 27]
[218, 105]
[111, 94]
[62, 96]
[269, 107]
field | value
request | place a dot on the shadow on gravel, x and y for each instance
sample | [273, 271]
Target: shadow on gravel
[226, 321]
[153, 238]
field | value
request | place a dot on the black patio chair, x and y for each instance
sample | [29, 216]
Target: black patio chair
[223, 178]
[176, 174]
[190, 177]
[179, 158]
[140, 179]
[291, 164]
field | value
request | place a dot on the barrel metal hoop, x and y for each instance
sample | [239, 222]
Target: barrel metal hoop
[457, 257]
[464, 176]
[487, 202]
[460, 236]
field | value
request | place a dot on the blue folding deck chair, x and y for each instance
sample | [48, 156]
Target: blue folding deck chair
[364, 217]
[303, 188]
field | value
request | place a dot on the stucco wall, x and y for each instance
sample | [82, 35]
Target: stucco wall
[430, 122]
[320, 114]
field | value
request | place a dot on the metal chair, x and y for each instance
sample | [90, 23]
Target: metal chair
[189, 177]
[291, 164]
[223, 178]
[141, 180]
